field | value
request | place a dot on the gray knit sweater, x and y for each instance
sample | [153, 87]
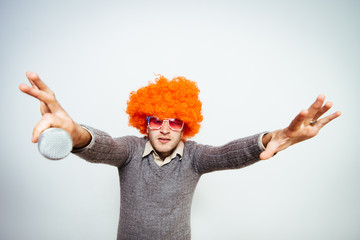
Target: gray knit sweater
[156, 201]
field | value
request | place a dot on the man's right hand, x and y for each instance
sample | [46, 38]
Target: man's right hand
[53, 115]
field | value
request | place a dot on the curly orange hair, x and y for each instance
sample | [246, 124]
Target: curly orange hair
[178, 98]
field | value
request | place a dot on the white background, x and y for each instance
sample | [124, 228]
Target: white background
[257, 63]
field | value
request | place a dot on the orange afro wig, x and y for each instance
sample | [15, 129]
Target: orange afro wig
[178, 98]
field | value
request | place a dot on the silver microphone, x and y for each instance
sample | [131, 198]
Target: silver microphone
[55, 143]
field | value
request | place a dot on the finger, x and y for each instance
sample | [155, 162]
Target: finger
[266, 154]
[28, 90]
[271, 149]
[47, 121]
[42, 92]
[322, 122]
[49, 100]
[314, 108]
[31, 81]
[35, 81]
[44, 108]
[298, 120]
[36, 93]
[33, 84]
[323, 110]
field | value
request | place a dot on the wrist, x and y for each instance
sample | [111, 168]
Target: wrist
[266, 138]
[82, 137]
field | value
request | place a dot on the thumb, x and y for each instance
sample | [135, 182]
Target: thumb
[271, 149]
[267, 153]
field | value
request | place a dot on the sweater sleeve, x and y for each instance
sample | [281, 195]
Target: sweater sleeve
[233, 155]
[105, 149]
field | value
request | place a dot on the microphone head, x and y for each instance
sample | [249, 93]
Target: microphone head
[55, 143]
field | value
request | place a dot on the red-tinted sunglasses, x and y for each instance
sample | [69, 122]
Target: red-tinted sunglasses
[155, 123]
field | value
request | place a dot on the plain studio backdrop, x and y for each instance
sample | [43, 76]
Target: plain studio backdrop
[257, 64]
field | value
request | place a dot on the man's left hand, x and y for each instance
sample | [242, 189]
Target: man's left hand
[304, 126]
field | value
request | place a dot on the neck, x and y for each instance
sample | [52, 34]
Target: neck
[164, 155]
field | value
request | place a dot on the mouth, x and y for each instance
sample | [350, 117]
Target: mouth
[164, 140]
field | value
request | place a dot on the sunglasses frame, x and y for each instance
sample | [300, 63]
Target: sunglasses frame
[163, 120]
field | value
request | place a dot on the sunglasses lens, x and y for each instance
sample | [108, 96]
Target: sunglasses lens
[176, 124]
[155, 123]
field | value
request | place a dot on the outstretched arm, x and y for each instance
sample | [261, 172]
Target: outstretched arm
[53, 115]
[304, 126]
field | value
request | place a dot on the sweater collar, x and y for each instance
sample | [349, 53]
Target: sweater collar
[179, 150]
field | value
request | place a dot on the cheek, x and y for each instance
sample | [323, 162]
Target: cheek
[178, 137]
[151, 134]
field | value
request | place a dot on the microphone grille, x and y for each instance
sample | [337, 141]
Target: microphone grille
[55, 143]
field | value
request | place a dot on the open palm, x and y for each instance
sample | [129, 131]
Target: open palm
[305, 125]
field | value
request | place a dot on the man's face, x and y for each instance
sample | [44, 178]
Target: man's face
[164, 140]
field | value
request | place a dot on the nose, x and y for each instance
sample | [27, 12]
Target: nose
[165, 128]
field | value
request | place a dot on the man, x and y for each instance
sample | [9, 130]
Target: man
[159, 172]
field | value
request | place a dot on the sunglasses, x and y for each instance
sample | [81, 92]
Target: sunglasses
[155, 123]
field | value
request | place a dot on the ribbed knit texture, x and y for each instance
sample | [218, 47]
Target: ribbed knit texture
[156, 201]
